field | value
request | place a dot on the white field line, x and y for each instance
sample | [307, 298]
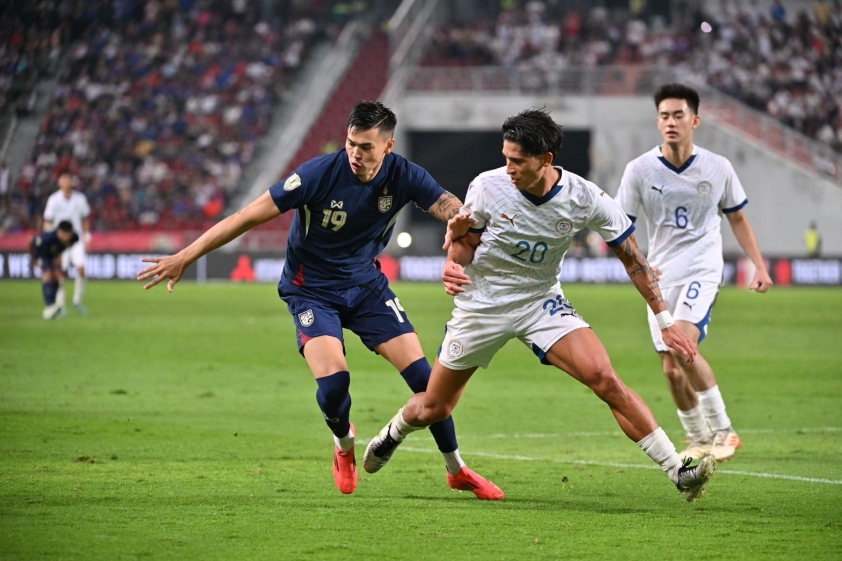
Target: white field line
[633, 466]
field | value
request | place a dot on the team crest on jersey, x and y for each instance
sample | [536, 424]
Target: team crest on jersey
[455, 348]
[704, 188]
[306, 318]
[292, 182]
[563, 227]
[384, 203]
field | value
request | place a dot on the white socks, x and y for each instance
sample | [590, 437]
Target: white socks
[713, 408]
[695, 424]
[78, 289]
[400, 429]
[346, 442]
[454, 461]
[60, 294]
[658, 446]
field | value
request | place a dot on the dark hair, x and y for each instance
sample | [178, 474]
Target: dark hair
[369, 115]
[65, 226]
[535, 132]
[66, 172]
[678, 91]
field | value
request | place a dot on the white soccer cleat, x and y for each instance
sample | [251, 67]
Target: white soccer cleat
[692, 481]
[698, 448]
[52, 311]
[725, 443]
[379, 451]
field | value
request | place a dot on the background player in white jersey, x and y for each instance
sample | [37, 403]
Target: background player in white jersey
[72, 206]
[525, 216]
[683, 190]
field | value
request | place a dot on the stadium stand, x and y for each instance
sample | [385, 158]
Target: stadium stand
[158, 109]
[788, 67]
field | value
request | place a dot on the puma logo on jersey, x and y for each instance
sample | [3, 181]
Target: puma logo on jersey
[512, 219]
[661, 190]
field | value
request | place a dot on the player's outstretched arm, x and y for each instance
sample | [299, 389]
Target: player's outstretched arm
[748, 241]
[645, 280]
[172, 267]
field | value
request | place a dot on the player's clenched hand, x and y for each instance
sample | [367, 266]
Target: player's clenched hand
[657, 272]
[170, 267]
[453, 276]
[457, 227]
[761, 281]
[679, 342]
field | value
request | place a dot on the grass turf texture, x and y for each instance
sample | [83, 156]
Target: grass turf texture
[184, 426]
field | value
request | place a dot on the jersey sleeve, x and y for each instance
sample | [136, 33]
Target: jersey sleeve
[734, 197]
[425, 189]
[292, 192]
[50, 209]
[608, 220]
[475, 204]
[628, 195]
[84, 206]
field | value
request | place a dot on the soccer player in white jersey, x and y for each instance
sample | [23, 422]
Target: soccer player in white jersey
[682, 190]
[72, 206]
[504, 273]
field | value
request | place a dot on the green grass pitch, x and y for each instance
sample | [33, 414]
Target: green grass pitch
[184, 426]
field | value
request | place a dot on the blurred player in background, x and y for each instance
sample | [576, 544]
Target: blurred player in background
[346, 204]
[683, 190]
[72, 206]
[46, 250]
[504, 272]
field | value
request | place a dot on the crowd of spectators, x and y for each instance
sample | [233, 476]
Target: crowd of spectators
[159, 107]
[789, 65]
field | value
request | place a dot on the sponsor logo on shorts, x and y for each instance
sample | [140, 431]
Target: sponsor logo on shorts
[306, 318]
[563, 227]
[384, 203]
[292, 182]
[704, 188]
[455, 348]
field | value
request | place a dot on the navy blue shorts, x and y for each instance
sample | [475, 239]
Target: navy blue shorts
[47, 263]
[371, 311]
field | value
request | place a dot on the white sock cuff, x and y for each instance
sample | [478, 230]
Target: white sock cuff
[651, 438]
[709, 393]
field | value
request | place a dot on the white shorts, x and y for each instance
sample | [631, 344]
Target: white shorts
[473, 338]
[74, 255]
[692, 302]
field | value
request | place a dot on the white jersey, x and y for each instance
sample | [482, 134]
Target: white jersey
[683, 211]
[74, 210]
[524, 238]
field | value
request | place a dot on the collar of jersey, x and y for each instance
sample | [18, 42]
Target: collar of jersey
[672, 167]
[538, 201]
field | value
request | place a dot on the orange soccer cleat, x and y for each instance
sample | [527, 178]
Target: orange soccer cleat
[467, 479]
[345, 468]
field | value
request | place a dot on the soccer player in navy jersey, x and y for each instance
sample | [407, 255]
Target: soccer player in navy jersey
[46, 249]
[346, 204]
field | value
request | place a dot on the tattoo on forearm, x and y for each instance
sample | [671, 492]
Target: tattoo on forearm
[446, 207]
[638, 269]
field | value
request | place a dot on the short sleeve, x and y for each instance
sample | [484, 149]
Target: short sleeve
[292, 191]
[608, 220]
[734, 197]
[628, 195]
[425, 190]
[84, 206]
[50, 210]
[475, 205]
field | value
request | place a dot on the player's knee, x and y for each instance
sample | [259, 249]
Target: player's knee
[604, 382]
[674, 373]
[417, 374]
[432, 412]
[333, 391]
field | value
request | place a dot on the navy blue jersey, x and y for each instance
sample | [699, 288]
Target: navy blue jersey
[342, 224]
[47, 245]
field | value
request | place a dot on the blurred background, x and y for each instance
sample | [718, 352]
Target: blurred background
[175, 113]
